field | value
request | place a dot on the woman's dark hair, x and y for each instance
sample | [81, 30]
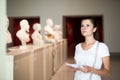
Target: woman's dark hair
[93, 21]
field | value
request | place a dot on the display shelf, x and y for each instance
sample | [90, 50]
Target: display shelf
[38, 62]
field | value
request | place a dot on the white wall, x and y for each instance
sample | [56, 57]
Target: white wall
[2, 38]
[56, 9]
[6, 65]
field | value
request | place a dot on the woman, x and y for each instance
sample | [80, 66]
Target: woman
[85, 54]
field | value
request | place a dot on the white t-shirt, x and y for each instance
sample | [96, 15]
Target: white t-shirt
[87, 57]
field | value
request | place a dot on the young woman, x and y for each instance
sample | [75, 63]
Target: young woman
[85, 54]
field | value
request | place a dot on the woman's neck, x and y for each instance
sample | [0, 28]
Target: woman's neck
[89, 40]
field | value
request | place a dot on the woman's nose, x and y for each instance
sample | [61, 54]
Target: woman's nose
[84, 27]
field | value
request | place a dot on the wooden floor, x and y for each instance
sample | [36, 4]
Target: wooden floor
[64, 73]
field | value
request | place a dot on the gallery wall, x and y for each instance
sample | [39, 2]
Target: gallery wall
[6, 70]
[56, 9]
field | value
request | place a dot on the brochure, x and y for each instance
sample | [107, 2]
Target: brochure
[74, 65]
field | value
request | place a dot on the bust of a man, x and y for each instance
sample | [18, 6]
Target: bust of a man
[58, 32]
[23, 33]
[8, 35]
[36, 36]
[49, 32]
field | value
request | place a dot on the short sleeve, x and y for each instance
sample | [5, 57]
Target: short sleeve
[75, 51]
[103, 50]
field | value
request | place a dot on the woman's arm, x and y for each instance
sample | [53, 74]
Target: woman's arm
[105, 71]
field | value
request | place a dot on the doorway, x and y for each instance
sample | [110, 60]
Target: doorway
[71, 31]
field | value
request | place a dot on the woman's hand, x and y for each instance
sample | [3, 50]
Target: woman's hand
[86, 69]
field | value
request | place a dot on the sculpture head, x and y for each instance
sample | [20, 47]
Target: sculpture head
[7, 23]
[49, 22]
[37, 26]
[24, 25]
[57, 28]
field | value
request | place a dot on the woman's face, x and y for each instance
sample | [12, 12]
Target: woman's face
[87, 28]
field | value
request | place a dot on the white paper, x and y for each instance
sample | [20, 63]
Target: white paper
[74, 65]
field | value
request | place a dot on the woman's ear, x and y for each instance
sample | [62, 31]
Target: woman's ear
[94, 29]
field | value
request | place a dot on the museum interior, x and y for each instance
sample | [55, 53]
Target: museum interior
[42, 36]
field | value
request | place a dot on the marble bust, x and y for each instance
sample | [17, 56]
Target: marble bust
[58, 32]
[49, 33]
[23, 33]
[36, 36]
[8, 34]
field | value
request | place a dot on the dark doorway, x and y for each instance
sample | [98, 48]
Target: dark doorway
[72, 32]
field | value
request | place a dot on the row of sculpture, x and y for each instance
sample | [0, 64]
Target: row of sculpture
[52, 33]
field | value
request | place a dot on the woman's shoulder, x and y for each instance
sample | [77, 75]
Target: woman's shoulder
[78, 45]
[103, 49]
[103, 45]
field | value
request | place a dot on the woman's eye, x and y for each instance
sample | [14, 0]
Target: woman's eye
[82, 25]
[87, 25]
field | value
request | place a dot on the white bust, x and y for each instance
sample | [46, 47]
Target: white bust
[8, 35]
[49, 32]
[36, 36]
[22, 34]
[58, 32]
